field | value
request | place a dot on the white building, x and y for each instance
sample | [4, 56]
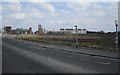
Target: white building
[69, 31]
[73, 31]
[84, 31]
[79, 31]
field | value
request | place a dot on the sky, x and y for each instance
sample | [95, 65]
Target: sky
[93, 16]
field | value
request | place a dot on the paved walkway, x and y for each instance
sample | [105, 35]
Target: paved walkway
[92, 52]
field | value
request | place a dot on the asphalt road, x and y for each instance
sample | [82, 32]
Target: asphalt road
[23, 57]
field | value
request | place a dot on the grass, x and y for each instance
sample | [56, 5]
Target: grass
[103, 42]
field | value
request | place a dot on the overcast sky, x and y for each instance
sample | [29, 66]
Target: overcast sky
[93, 16]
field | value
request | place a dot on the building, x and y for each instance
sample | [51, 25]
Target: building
[40, 30]
[29, 31]
[40, 27]
[79, 31]
[69, 31]
[19, 31]
[84, 31]
[73, 31]
[7, 29]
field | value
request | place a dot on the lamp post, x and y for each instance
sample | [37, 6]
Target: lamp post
[116, 25]
[76, 30]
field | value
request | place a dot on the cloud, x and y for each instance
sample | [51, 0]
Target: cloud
[0, 7]
[56, 21]
[78, 5]
[36, 1]
[18, 16]
[47, 6]
[94, 8]
[35, 13]
[51, 22]
[61, 0]
[65, 11]
[86, 15]
[12, 6]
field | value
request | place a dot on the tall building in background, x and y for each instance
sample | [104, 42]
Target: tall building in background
[39, 27]
[40, 30]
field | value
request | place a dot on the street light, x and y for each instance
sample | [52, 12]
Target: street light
[116, 25]
[76, 36]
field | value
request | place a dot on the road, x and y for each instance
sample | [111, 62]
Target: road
[23, 57]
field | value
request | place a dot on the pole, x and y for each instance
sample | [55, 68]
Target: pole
[116, 25]
[76, 36]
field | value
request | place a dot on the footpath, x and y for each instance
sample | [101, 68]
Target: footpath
[92, 52]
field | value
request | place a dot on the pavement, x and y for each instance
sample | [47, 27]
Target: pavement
[19, 56]
[92, 52]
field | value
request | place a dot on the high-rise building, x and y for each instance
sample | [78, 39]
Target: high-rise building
[40, 29]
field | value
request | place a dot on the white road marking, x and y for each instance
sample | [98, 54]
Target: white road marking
[107, 58]
[65, 63]
[83, 59]
[104, 63]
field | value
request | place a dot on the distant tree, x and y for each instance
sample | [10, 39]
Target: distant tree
[50, 32]
[102, 32]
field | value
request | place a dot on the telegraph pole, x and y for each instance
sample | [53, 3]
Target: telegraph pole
[116, 25]
[76, 30]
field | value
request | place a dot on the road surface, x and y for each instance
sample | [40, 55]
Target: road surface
[23, 57]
